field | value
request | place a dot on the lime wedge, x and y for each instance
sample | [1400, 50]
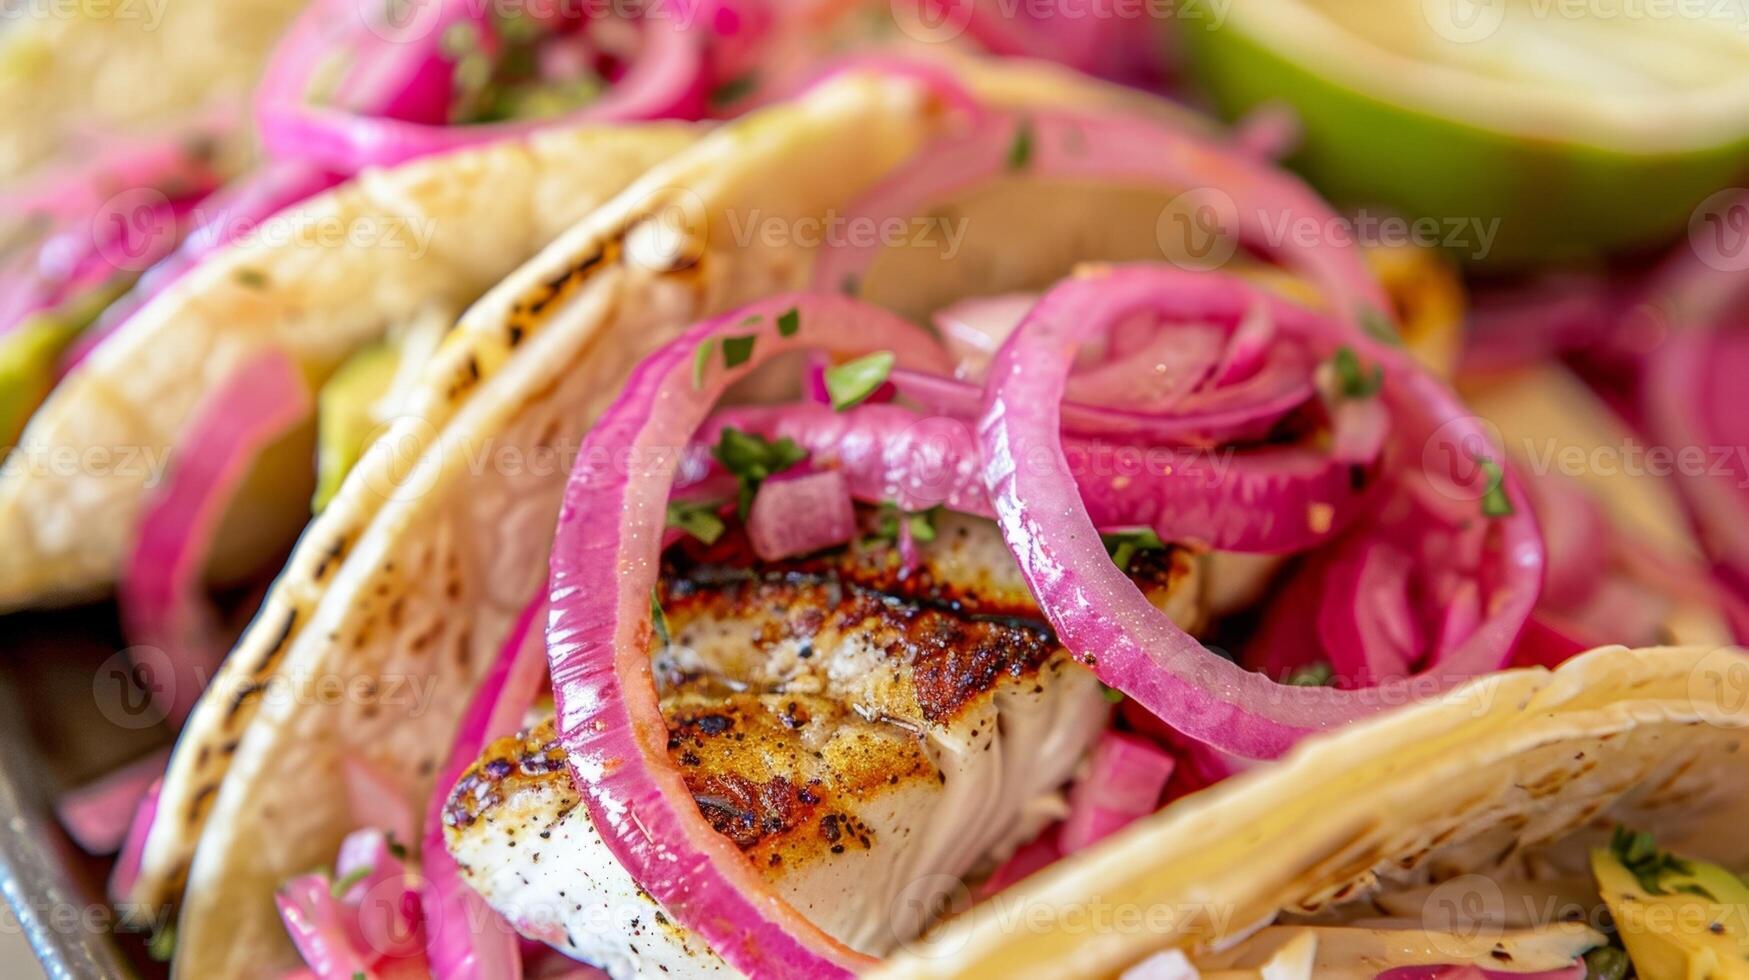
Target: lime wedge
[1583, 127]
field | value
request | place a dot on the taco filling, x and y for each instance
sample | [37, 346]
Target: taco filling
[851, 723]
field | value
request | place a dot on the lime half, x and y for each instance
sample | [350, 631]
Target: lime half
[1520, 130]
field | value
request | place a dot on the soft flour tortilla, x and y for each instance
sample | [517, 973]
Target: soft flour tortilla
[440, 536]
[73, 71]
[1522, 763]
[318, 282]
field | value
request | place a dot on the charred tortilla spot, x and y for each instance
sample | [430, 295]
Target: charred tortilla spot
[245, 693]
[271, 655]
[330, 558]
[201, 803]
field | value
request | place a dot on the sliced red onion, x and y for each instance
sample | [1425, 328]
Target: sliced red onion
[1517, 324]
[236, 211]
[103, 222]
[466, 939]
[1574, 972]
[317, 923]
[380, 900]
[665, 81]
[1032, 857]
[1123, 783]
[163, 588]
[1366, 621]
[1104, 619]
[1247, 196]
[974, 329]
[98, 815]
[133, 848]
[604, 567]
[1696, 402]
[800, 515]
[1103, 37]
[1248, 501]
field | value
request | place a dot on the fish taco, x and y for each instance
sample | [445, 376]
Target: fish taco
[798, 656]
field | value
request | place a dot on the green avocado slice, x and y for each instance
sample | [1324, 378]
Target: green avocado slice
[1679, 919]
[346, 415]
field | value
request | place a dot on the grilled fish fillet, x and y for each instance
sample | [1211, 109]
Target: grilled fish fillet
[868, 739]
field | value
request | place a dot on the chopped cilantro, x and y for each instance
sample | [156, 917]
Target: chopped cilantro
[396, 848]
[1020, 151]
[1315, 674]
[1353, 382]
[658, 619]
[751, 459]
[1125, 545]
[701, 359]
[738, 349]
[852, 382]
[1379, 327]
[697, 519]
[1111, 694]
[788, 322]
[1495, 503]
[734, 90]
[920, 524]
[343, 885]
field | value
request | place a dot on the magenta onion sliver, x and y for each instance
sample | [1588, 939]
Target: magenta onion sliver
[1694, 396]
[1124, 781]
[1101, 616]
[236, 211]
[465, 938]
[316, 922]
[665, 81]
[133, 847]
[800, 515]
[98, 815]
[1226, 500]
[604, 567]
[163, 588]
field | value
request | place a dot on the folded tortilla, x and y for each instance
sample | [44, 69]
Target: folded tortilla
[1523, 766]
[318, 282]
[408, 584]
[71, 71]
